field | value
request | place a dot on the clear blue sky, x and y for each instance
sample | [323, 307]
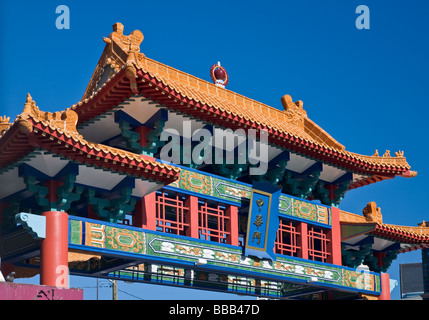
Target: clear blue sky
[367, 88]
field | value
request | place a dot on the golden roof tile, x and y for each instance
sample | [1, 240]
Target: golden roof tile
[123, 52]
[372, 215]
[64, 123]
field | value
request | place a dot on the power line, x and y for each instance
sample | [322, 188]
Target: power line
[130, 294]
[110, 285]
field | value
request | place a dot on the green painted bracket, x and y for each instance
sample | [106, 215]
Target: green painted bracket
[40, 192]
[68, 192]
[154, 143]
[131, 137]
[112, 210]
[354, 258]
[230, 171]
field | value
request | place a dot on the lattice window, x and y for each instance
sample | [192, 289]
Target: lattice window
[287, 241]
[212, 223]
[170, 213]
[317, 244]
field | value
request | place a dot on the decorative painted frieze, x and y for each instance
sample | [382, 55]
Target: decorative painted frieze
[233, 191]
[131, 242]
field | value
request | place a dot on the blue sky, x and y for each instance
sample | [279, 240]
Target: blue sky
[367, 88]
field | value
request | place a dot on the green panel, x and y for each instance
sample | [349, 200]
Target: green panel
[114, 238]
[75, 232]
[223, 189]
[125, 240]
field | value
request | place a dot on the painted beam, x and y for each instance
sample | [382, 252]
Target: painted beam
[145, 245]
[220, 189]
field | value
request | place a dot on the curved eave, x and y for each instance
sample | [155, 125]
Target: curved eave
[26, 135]
[15, 142]
[396, 233]
[117, 89]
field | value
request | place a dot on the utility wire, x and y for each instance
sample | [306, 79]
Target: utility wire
[130, 294]
[109, 285]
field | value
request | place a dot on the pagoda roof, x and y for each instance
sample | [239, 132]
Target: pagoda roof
[56, 133]
[132, 73]
[356, 227]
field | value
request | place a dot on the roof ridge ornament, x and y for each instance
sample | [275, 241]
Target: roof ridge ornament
[219, 75]
[4, 124]
[372, 213]
[294, 110]
[130, 43]
[30, 108]
[64, 120]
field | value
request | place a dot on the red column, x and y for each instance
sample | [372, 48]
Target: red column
[143, 131]
[302, 230]
[380, 255]
[54, 250]
[192, 216]
[385, 287]
[52, 186]
[334, 235]
[232, 225]
[145, 212]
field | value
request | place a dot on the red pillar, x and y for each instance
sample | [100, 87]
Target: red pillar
[232, 224]
[54, 250]
[334, 235]
[380, 255]
[192, 217]
[303, 232]
[145, 212]
[385, 287]
[52, 186]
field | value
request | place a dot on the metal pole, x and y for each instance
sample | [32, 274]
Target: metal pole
[115, 289]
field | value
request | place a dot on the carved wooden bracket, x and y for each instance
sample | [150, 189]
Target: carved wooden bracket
[34, 224]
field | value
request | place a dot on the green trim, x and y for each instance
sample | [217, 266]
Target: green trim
[138, 243]
[233, 191]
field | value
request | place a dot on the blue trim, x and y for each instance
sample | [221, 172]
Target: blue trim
[190, 261]
[27, 170]
[158, 233]
[204, 173]
[121, 115]
[310, 222]
[305, 200]
[223, 245]
[284, 155]
[219, 268]
[318, 166]
[203, 196]
[226, 246]
[345, 177]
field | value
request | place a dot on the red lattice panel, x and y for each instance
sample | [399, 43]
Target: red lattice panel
[317, 244]
[212, 223]
[170, 214]
[287, 239]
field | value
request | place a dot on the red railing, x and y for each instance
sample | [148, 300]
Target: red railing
[170, 214]
[212, 223]
[287, 241]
